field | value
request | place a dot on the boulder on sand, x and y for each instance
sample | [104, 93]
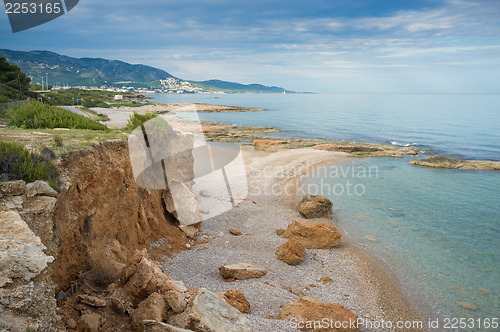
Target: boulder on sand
[241, 271]
[315, 206]
[209, 312]
[291, 252]
[313, 236]
[236, 299]
[308, 310]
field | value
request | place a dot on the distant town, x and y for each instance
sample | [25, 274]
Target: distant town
[168, 85]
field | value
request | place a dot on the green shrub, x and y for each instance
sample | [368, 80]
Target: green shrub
[18, 163]
[58, 141]
[137, 120]
[37, 115]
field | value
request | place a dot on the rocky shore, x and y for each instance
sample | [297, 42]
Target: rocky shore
[447, 162]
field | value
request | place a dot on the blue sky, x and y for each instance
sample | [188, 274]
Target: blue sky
[443, 46]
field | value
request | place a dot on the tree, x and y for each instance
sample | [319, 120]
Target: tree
[14, 84]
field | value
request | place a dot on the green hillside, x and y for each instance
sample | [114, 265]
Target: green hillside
[84, 71]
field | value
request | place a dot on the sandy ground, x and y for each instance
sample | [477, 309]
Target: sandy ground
[119, 115]
[359, 283]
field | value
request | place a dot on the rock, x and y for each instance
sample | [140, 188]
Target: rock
[241, 271]
[71, 323]
[204, 211]
[183, 205]
[447, 162]
[468, 306]
[12, 188]
[190, 231]
[315, 206]
[176, 300]
[155, 326]
[209, 312]
[92, 301]
[326, 280]
[307, 309]
[313, 236]
[235, 232]
[205, 193]
[152, 308]
[40, 188]
[484, 291]
[280, 231]
[90, 322]
[21, 251]
[291, 252]
[370, 238]
[297, 292]
[142, 277]
[237, 300]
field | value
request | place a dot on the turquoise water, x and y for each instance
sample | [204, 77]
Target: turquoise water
[439, 230]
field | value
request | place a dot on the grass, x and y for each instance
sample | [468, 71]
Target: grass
[73, 139]
[37, 115]
[18, 163]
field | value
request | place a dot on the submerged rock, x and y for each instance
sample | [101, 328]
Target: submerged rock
[468, 306]
[447, 162]
[315, 206]
[313, 236]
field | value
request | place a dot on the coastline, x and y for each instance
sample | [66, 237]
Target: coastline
[372, 292]
[361, 284]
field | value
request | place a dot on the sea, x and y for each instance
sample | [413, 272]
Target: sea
[436, 230]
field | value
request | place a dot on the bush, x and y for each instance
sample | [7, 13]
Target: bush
[58, 141]
[137, 120]
[37, 115]
[18, 163]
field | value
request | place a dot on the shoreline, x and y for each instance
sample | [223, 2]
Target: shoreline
[361, 283]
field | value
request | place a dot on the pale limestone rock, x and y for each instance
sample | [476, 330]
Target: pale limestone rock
[40, 188]
[12, 188]
[209, 312]
[21, 251]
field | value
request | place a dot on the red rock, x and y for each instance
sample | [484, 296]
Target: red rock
[313, 236]
[237, 300]
[309, 310]
[241, 271]
[291, 252]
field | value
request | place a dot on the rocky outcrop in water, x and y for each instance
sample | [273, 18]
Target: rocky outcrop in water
[447, 162]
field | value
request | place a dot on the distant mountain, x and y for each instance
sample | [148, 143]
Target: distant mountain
[84, 71]
[217, 85]
[63, 69]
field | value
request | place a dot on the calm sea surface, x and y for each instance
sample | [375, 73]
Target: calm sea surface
[437, 229]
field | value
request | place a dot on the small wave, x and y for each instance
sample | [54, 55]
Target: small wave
[401, 144]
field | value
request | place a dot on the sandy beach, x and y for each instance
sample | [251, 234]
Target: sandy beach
[360, 283]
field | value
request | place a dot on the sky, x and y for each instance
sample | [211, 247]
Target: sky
[326, 46]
